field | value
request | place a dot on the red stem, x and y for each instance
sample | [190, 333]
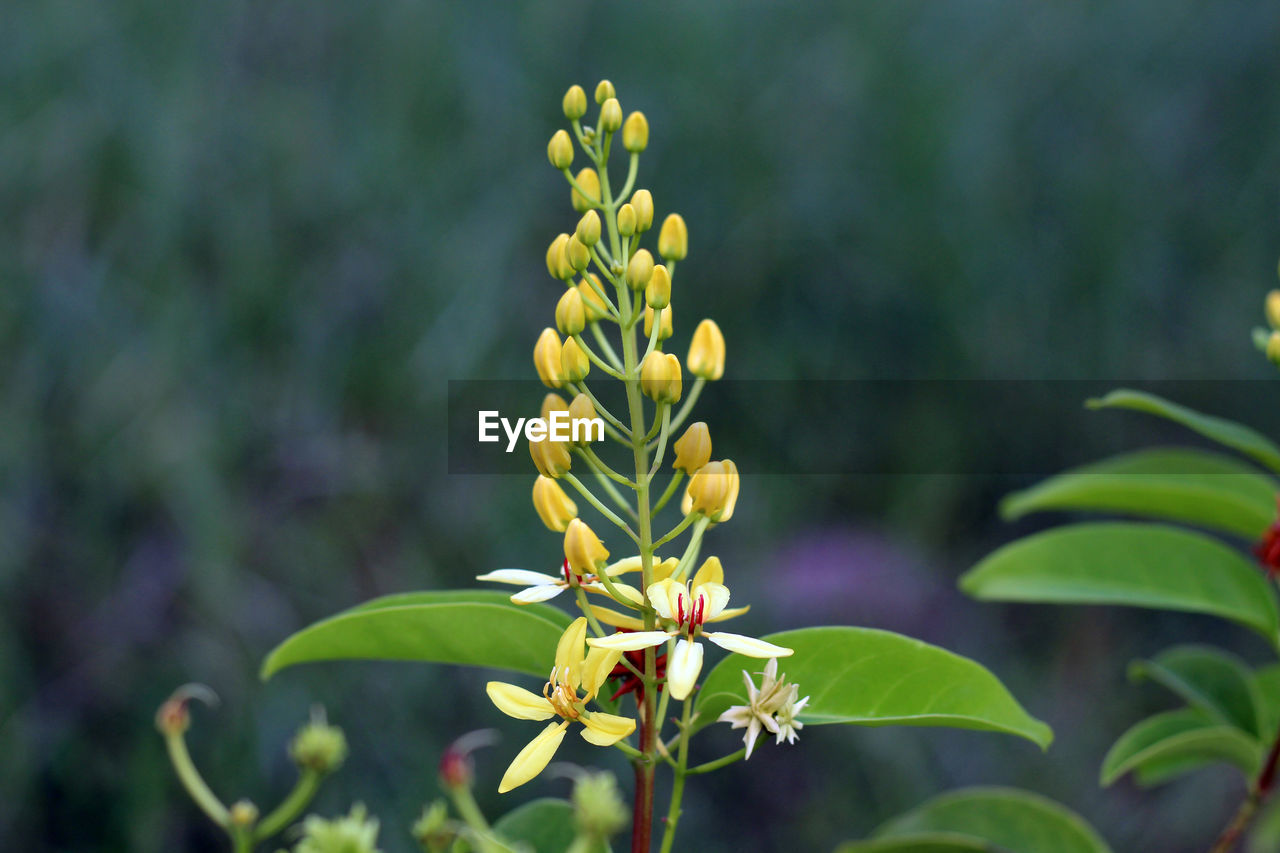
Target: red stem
[642, 815]
[1257, 793]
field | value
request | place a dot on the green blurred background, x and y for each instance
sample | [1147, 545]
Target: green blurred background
[244, 246]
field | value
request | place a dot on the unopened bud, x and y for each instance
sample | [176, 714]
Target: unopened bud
[642, 201]
[604, 91]
[706, 351]
[582, 409]
[319, 746]
[594, 304]
[546, 359]
[1273, 348]
[557, 261]
[552, 403]
[664, 325]
[590, 183]
[588, 230]
[576, 254]
[551, 458]
[713, 491]
[610, 115]
[693, 449]
[657, 293]
[574, 103]
[635, 133]
[433, 831]
[243, 814]
[560, 150]
[582, 548]
[574, 361]
[554, 507]
[173, 717]
[660, 377]
[1273, 309]
[673, 239]
[640, 269]
[571, 314]
[598, 810]
[626, 220]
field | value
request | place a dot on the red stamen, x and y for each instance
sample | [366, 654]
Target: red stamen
[680, 609]
[701, 608]
[566, 572]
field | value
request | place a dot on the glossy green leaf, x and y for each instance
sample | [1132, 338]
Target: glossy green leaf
[546, 825]
[1266, 684]
[870, 677]
[467, 627]
[922, 842]
[1217, 683]
[1191, 486]
[1004, 819]
[1238, 437]
[1139, 565]
[1174, 742]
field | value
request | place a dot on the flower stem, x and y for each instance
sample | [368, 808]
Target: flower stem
[289, 808]
[601, 508]
[193, 781]
[1258, 792]
[677, 786]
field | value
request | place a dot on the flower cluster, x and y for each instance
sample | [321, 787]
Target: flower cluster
[774, 707]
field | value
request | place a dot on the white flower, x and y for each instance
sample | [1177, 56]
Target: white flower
[772, 706]
[543, 586]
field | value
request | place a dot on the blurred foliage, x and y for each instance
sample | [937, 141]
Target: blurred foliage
[244, 246]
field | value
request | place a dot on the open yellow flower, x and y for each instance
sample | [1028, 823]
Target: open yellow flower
[684, 609]
[576, 669]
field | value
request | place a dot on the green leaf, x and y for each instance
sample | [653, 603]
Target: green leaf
[1175, 742]
[1004, 819]
[1139, 565]
[923, 842]
[1266, 684]
[545, 824]
[1217, 683]
[1190, 486]
[870, 677]
[1238, 437]
[467, 627]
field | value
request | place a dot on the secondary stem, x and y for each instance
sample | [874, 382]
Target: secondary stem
[1258, 792]
[677, 786]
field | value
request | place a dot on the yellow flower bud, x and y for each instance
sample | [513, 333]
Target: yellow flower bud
[642, 201]
[557, 262]
[640, 270]
[657, 293]
[588, 230]
[582, 548]
[551, 458]
[553, 402]
[582, 409]
[693, 449]
[673, 239]
[713, 491]
[706, 352]
[660, 377]
[554, 507]
[664, 325]
[1273, 309]
[546, 359]
[610, 115]
[576, 254]
[590, 183]
[574, 362]
[1273, 348]
[571, 315]
[604, 91]
[575, 103]
[560, 150]
[626, 220]
[595, 306]
[635, 133]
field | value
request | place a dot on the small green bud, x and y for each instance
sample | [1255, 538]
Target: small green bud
[243, 814]
[590, 183]
[571, 314]
[576, 254]
[574, 362]
[319, 746]
[1273, 348]
[589, 228]
[640, 270]
[657, 293]
[355, 833]
[598, 810]
[610, 115]
[635, 133]
[673, 239]
[626, 220]
[604, 91]
[575, 103]
[434, 831]
[557, 261]
[642, 201]
[560, 150]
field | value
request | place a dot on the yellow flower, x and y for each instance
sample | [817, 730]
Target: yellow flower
[554, 507]
[583, 548]
[693, 449]
[575, 669]
[673, 239]
[706, 352]
[546, 359]
[713, 491]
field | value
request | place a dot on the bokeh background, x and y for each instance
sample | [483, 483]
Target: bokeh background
[244, 247]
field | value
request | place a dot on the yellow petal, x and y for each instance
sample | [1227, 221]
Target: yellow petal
[620, 620]
[626, 591]
[683, 667]
[714, 596]
[749, 646]
[518, 702]
[596, 668]
[664, 596]
[626, 564]
[729, 613]
[663, 570]
[569, 652]
[711, 570]
[534, 757]
[606, 729]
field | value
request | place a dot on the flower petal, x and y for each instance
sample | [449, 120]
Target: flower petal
[716, 596]
[616, 619]
[663, 570]
[569, 652]
[518, 702]
[596, 668]
[628, 592]
[626, 564]
[710, 571]
[519, 577]
[683, 667]
[534, 757]
[606, 729]
[629, 642]
[749, 646]
[663, 595]
[537, 593]
[729, 613]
